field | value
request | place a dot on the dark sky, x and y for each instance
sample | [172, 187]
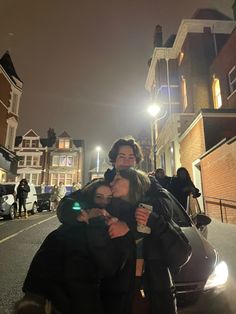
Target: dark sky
[84, 63]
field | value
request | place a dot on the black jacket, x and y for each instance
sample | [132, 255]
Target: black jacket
[22, 191]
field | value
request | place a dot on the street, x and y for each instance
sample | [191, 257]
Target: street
[20, 239]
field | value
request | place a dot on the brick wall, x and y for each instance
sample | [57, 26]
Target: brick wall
[192, 146]
[221, 67]
[218, 170]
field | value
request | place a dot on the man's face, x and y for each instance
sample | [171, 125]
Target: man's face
[125, 158]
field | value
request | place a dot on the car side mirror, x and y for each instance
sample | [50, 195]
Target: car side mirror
[202, 220]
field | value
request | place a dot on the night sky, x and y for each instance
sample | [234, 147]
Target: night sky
[84, 63]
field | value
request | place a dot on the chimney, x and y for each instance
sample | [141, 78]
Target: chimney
[158, 37]
[234, 9]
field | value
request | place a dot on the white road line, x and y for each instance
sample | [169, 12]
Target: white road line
[25, 229]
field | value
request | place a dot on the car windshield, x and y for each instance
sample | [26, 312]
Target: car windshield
[9, 189]
[179, 215]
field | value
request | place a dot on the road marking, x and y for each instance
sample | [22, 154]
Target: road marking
[25, 229]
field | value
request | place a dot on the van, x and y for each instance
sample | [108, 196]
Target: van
[9, 204]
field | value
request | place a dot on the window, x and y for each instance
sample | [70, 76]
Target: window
[62, 161]
[35, 160]
[184, 93]
[14, 103]
[28, 160]
[68, 179]
[216, 93]
[232, 80]
[54, 178]
[26, 143]
[21, 161]
[34, 178]
[69, 161]
[11, 137]
[64, 143]
[55, 160]
[27, 176]
[61, 177]
[35, 143]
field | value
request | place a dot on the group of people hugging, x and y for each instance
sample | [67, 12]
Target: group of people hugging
[99, 257]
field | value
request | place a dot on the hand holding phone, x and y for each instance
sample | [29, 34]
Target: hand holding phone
[142, 218]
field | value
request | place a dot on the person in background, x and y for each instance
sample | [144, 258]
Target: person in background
[75, 187]
[181, 186]
[162, 178]
[61, 191]
[53, 198]
[21, 195]
[42, 187]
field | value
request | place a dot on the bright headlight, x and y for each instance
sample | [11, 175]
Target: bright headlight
[218, 277]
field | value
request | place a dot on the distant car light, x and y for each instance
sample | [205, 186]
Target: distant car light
[218, 277]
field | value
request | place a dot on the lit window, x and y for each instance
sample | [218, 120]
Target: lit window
[181, 56]
[184, 93]
[61, 177]
[54, 178]
[232, 80]
[216, 93]
[69, 179]
[64, 143]
[27, 176]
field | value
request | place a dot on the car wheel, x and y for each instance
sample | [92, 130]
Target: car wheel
[34, 209]
[12, 212]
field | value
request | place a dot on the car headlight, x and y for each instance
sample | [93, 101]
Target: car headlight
[218, 277]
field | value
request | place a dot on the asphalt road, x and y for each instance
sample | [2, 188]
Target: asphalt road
[20, 239]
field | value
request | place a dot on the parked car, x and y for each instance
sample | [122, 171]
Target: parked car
[44, 201]
[205, 272]
[10, 205]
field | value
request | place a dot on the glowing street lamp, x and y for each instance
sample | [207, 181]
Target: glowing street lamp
[98, 149]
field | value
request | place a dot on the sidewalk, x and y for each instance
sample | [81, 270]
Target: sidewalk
[223, 237]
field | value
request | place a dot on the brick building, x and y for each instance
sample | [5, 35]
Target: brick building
[193, 78]
[50, 160]
[10, 93]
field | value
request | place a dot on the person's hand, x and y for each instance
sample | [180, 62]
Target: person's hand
[117, 228]
[142, 215]
[83, 216]
[95, 212]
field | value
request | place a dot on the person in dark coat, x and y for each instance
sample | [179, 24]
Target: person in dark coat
[70, 264]
[181, 186]
[162, 178]
[21, 194]
[124, 154]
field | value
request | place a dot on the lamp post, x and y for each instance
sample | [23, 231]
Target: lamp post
[98, 149]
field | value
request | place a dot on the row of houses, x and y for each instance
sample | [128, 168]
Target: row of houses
[193, 78]
[40, 160]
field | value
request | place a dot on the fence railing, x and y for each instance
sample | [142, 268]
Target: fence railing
[223, 204]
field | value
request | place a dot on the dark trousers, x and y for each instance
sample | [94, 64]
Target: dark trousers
[159, 288]
[117, 292]
[22, 202]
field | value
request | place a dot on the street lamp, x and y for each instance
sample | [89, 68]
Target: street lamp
[98, 149]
